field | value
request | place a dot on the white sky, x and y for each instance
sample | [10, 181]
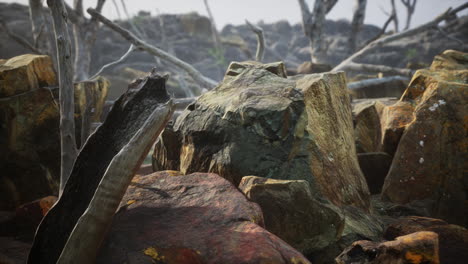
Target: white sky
[236, 11]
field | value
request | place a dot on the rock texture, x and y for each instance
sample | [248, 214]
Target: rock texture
[453, 239]
[29, 134]
[375, 166]
[197, 218]
[417, 248]
[430, 162]
[291, 212]
[258, 122]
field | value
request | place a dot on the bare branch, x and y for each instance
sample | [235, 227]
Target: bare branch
[376, 81]
[447, 35]
[129, 51]
[66, 88]
[410, 6]
[410, 32]
[382, 31]
[395, 15]
[191, 71]
[260, 40]
[19, 39]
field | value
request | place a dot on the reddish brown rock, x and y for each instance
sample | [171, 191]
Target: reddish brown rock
[415, 248]
[453, 239]
[430, 162]
[197, 218]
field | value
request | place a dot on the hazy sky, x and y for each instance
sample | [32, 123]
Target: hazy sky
[236, 11]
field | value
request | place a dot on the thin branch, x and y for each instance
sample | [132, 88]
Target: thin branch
[410, 32]
[376, 81]
[19, 39]
[196, 75]
[260, 40]
[410, 7]
[129, 51]
[329, 4]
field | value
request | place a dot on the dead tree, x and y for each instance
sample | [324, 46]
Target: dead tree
[42, 36]
[350, 64]
[410, 6]
[394, 14]
[260, 40]
[198, 77]
[101, 174]
[66, 88]
[84, 33]
[356, 23]
[312, 24]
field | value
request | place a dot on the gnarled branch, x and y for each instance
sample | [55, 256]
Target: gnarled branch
[260, 40]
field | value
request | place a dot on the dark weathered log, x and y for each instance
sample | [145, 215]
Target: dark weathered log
[260, 40]
[66, 99]
[128, 115]
[199, 78]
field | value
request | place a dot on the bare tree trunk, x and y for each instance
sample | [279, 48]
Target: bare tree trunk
[84, 32]
[199, 78]
[410, 6]
[356, 23]
[66, 98]
[395, 16]
[260, 41]
[42, 37]
[312, 24]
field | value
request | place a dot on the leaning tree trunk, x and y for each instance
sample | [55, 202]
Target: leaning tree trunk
[356, 23]
[66, 98]
[109, 158]
[42, 37]
[312, 24]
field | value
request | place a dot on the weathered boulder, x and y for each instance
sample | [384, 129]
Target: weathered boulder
[430, 162]
[258, 122]
[291, 212]
[453, 239]
[367, 130]
[375, 166]
[420, 247]
[26, 73]
[29, 130]
[393, 122]
[197, 218]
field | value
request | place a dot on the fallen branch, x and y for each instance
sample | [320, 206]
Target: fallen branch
[260, 40]
[377, 68]
[198, 77]
[376, 81]
[411, 32]
[129, 51]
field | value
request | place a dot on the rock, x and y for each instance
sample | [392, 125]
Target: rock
[26, 73]
[308, 67]
[430, 162]
[420, 247]
[13, 251]
[291, 212]
[367, 130]
[453, 239]
[257, 122]
[197, 218]
[394, 120]
[375, 166]
[30, 142]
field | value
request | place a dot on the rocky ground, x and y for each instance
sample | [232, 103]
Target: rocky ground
[268, 167]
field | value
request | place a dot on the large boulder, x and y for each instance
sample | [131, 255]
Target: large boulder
[453, 239]
[291, 212]
[430, 162]
[29, 131]
[197, 218]
[259, 122]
